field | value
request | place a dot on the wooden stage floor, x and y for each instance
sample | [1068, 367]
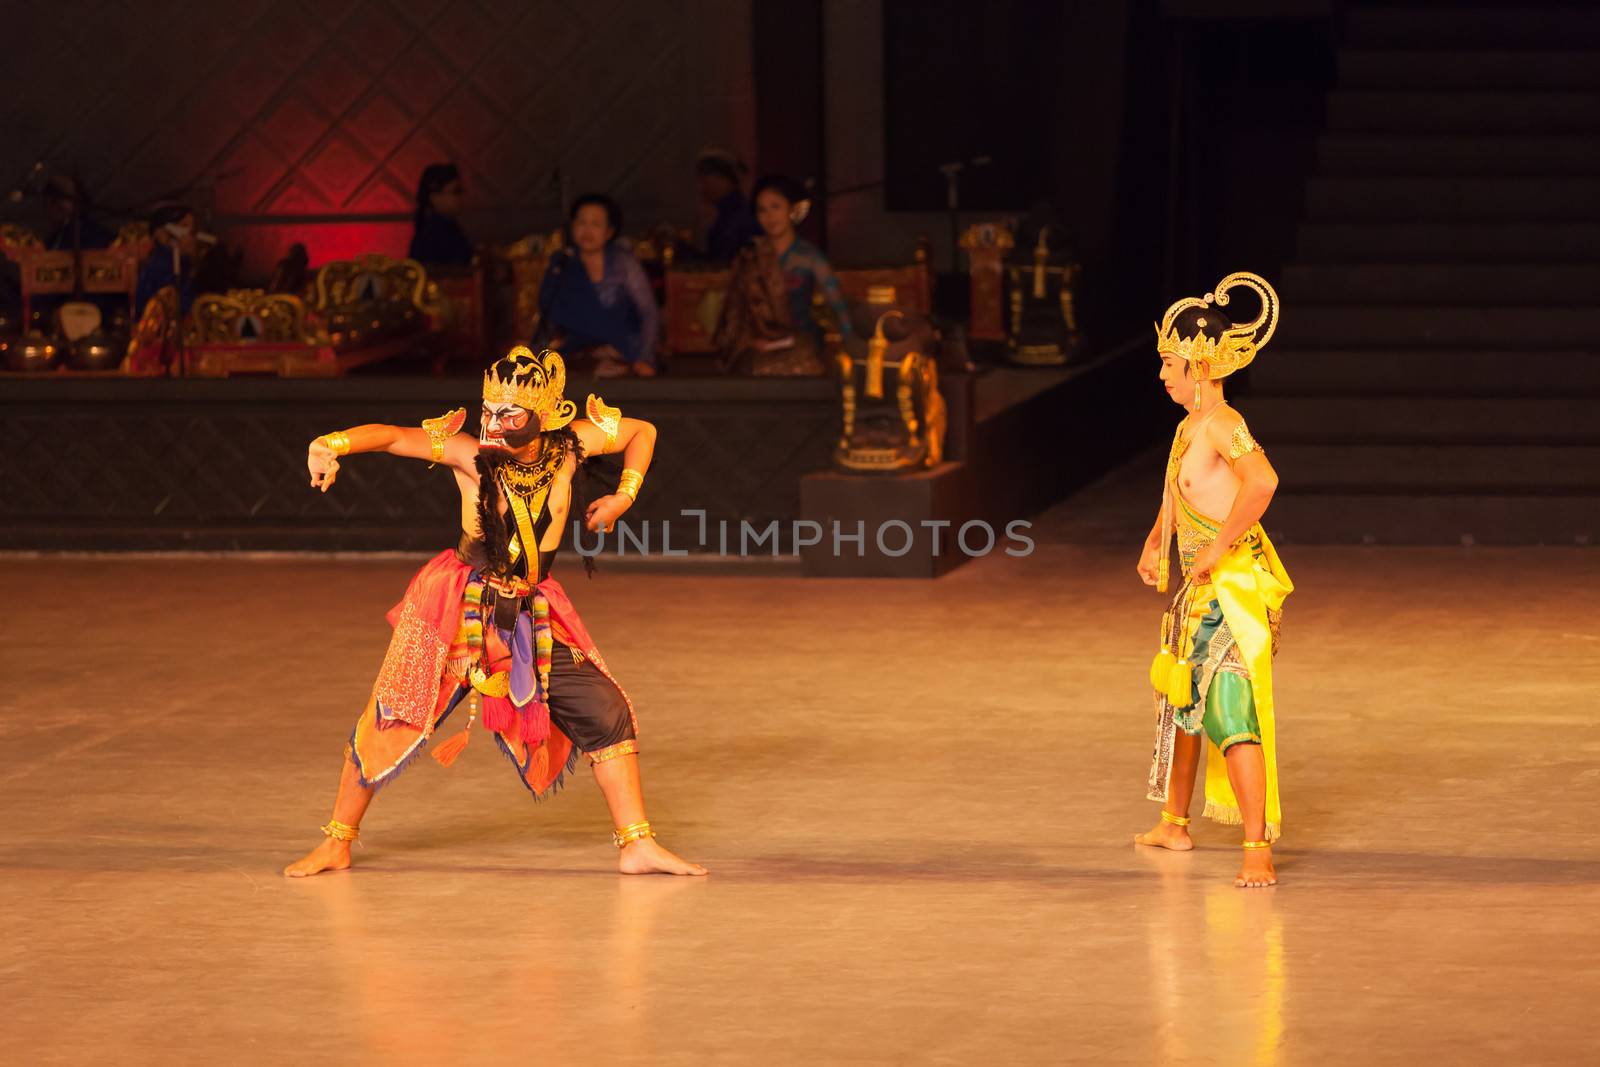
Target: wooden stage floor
[916, 799]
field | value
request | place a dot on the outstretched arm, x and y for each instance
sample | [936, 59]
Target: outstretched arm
[442, 445]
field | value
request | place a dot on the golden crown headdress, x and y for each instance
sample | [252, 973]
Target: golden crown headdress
[1238, 344]
[536, 384]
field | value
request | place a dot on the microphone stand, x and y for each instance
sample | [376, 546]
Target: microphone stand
[952, 198]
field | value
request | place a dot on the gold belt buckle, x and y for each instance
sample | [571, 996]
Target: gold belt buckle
[512, 587]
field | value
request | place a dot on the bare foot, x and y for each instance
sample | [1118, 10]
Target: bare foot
[331, 855]
[646, 857]
[644, 370]
[1166, 835]
[1257, 872]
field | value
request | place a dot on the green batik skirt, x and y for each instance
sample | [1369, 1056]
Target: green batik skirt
[1228, 712]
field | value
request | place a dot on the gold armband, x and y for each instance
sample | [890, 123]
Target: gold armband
[337, 442]
[603, 415]
[630, 483]
[443, 428]
[1241, 443]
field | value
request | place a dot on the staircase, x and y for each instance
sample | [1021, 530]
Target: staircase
[1436, 377]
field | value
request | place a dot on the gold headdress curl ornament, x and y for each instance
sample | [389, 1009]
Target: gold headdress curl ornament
[1238, 345]
[537, 384]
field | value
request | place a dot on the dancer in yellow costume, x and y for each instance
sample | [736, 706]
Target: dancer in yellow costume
[1213, 673]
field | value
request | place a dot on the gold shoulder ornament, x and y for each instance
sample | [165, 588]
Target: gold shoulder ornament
[443, 428]
[603, 415]
[1241, 443]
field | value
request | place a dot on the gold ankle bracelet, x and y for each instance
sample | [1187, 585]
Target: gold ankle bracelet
[1258, 844]
[341, 831]
[1175, 820]
[627, 835]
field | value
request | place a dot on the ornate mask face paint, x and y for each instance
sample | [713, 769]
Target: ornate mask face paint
[506, 426]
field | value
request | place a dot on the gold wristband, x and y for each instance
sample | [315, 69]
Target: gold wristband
[630, 483]
[337, 442]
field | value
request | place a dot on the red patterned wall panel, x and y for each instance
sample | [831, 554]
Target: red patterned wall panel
[313, 119]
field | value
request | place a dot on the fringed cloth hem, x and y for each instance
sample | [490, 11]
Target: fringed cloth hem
[556, 784]
[1221, 813]
[436, 603]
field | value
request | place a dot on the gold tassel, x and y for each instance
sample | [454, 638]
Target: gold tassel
[1180, 684]
[1161, 669]
[446, 753]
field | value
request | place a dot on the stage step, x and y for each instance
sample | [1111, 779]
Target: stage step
[1361, 111]
[1435, 378]
[1433, 420]
[1487, 470]
[1452, 154]
[1407, 518]
[1427, 371]
[1368, 326]
[1511, 27]
[1475, 70]
[1527, 285]
[1459, 199]
[1344, 242]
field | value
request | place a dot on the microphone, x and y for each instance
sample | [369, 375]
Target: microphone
[27, 184]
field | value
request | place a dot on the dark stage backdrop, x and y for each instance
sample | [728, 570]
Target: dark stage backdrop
[312, 120]
[964, 80]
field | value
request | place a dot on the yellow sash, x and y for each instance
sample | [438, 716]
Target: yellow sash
[1247, 583]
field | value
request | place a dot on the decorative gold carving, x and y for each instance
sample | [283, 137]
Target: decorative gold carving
[15, 239]
[529, 258]
[371, 278]
[876, 348]
[876, 443]
[848, 397]
[1241, 443]
[441, 429]
[986, 244]
[606, 417]
[248, 316]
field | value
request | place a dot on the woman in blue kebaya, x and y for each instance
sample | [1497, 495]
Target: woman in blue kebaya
[597, 298]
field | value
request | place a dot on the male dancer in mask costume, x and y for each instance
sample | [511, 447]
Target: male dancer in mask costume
[484, 628]
[1213, 673]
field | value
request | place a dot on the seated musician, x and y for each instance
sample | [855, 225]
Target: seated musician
[596, 297]
[171, 259]
[732, 225]
[437, 238]
[766, 326]
[66, 204]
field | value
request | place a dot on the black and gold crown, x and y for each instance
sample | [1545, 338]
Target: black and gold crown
[1194, 330]
[534, 383]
